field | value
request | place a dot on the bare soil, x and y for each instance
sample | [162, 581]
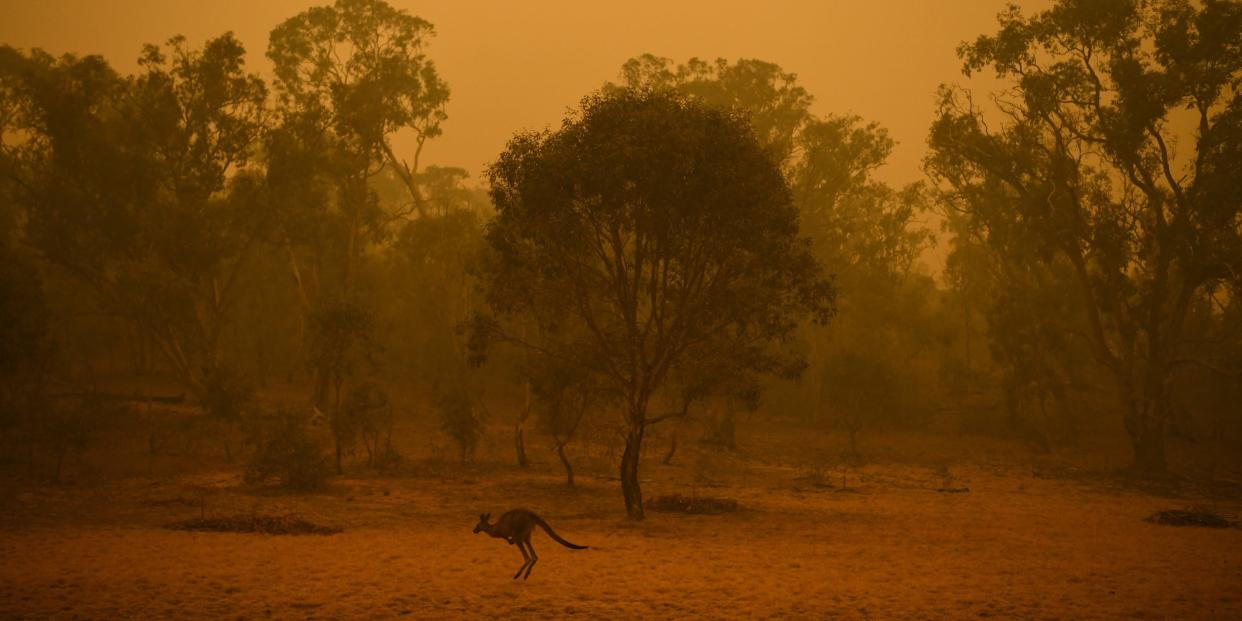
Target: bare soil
[1042, 541]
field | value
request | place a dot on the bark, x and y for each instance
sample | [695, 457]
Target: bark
[1149, 455]
[519, 441]
[1146, 425]
[630, 488]
[519, 445]
[322, 387]
[672, 450]
[569, 468]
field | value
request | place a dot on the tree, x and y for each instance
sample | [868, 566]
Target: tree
[565, 395]
[864, 232]
[861, 386]
[341, 338]
[349, 76]
[136, 186]
[25, 345]
[1083, 163]
[1023, 301]
[776, 105]
[358, 68]
[659, 227]
[459, 418]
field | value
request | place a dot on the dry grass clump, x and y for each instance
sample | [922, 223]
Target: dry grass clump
[1201, 517]
[261, 524]
[678, 503]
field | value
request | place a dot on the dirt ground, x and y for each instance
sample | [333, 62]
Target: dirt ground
[1025, 542]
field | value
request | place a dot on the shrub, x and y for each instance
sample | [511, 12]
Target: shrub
[459, 419]
[226, 394]
[369, 410]
[70, 426]
[289, 447]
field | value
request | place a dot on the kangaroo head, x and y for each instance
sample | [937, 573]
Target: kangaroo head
[482, 526]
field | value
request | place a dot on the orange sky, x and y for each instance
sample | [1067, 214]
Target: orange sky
[514, 65]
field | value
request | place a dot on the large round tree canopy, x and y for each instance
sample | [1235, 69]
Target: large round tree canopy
[652, 242]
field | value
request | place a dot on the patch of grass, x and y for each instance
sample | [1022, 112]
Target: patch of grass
[677, 503]
[260, 524]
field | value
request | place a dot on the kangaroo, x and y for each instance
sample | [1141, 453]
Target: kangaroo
[515, 527]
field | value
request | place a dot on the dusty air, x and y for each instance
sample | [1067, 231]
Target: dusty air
[377, 309]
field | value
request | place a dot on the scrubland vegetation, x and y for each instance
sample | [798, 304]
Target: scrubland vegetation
[689, 326]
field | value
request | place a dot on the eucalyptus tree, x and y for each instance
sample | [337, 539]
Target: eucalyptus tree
[1082, 155]
[864, 232]
[137, 186]
[658, 229]
[349, 77]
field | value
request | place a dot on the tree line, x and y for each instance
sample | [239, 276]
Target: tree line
[691, 242]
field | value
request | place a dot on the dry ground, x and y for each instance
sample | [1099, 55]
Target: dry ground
[1021, 544]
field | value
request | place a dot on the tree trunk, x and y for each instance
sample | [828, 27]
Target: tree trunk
[519, 441]
[1147, 438]
[1013, 403]
[321, 388]
[672, 450]
[569, 468]
[1149, 457]
[519, 444]
[630, 489]
[1146, 425]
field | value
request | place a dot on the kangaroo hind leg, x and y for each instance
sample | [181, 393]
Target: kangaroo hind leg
[533, 558]
[525, 560]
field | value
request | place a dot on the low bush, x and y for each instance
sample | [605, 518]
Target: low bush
[288, 446]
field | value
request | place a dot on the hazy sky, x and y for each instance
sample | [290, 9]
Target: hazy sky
[514, 65]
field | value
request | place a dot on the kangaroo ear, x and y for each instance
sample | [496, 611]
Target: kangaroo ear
[487, 516]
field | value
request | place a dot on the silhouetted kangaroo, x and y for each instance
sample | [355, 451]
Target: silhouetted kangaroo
[515, 527]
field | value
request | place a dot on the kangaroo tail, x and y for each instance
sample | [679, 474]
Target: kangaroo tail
[555, 537]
